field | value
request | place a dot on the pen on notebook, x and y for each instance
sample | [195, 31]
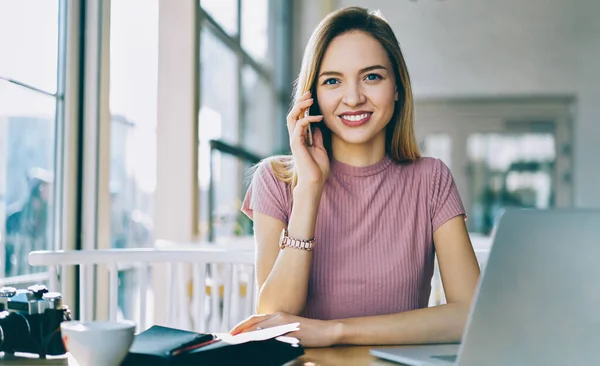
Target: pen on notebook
[192, 347]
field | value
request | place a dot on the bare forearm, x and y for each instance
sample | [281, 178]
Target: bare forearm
[439, 324]
[286, 287]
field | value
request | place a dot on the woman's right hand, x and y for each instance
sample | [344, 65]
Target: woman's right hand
[312, 162]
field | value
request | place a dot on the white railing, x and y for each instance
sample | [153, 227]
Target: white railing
[229, 287]
[217, 301]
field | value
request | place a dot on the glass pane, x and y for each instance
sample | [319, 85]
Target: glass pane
[509, 171]
[218, 89]
[227, 179]
[224, 12]
[133, 94]
[255, 29]
[29, 42]
[27, 121]
[259, 113]
[439, 145]
[218, 119]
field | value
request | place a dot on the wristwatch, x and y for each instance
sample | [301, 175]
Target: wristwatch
[286, 241]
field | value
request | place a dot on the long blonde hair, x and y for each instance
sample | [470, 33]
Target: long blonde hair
[401, 143]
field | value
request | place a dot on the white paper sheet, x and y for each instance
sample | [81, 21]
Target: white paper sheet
[261, 334]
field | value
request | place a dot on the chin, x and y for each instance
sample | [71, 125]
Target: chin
[356, 137]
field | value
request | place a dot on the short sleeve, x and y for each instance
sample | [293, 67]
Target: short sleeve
[266, 194]
[445, 199]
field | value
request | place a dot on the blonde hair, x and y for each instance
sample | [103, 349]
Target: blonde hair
[401, 143]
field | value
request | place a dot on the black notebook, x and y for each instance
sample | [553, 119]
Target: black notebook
[173, 347]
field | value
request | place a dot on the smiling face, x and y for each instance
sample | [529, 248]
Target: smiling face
[356, 89]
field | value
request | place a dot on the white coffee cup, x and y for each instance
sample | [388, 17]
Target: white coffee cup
[97, 343]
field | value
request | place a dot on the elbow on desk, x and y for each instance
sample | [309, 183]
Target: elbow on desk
[460, 321]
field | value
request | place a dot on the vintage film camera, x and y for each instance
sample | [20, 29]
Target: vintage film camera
[30, 321]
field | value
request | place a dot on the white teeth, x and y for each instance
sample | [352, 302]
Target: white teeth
[355, 117]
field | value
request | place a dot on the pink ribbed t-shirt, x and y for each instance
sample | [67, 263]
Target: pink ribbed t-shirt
[374, 233]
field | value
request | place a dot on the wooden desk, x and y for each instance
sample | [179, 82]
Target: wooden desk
[347, 356]
[353, 355]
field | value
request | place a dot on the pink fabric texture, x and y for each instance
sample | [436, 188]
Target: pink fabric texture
[374, 233]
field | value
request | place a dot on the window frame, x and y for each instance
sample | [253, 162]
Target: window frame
[64, 156]
[278, 79]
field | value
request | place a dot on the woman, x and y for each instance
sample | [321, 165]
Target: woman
[369, 208]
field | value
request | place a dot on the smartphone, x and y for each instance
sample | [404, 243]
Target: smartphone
[309, 136]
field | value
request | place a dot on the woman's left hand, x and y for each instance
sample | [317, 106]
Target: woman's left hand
[312, 333]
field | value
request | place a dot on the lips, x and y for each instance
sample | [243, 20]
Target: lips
[355, 119]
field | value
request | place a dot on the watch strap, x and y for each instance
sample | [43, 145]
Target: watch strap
[286, 241]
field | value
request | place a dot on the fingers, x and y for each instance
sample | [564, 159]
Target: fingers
[254, 319]
[250, 322]
[262, 325]
[318, 138]
[298, 137]
[297, 111]
[269, 322]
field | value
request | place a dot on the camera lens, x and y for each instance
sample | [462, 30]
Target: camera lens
[14, 331]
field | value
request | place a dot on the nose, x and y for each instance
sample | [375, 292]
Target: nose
[353, 95]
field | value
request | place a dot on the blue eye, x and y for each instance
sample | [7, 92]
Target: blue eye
[330, 81]
[373, 77]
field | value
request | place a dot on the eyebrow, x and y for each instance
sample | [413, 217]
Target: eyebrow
[361, 71]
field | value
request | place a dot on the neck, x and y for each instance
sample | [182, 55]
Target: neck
[359, 155]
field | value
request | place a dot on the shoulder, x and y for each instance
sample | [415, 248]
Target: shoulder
[273, 174]
[427, 163]
[437, 172]
[268, 191]
[273, 168]
[425, 172]
[424, 167]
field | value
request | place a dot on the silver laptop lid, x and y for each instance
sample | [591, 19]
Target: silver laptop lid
[539, 297]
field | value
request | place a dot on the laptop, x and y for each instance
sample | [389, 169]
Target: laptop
[537, 301]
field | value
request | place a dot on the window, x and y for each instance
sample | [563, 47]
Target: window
[238, 106]
[509, 170]
[29, 42]
[224, 12]
[133, 95]
[219, 86]
[29, 38]
[259, 115]
[27, 131]
[255, 29]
